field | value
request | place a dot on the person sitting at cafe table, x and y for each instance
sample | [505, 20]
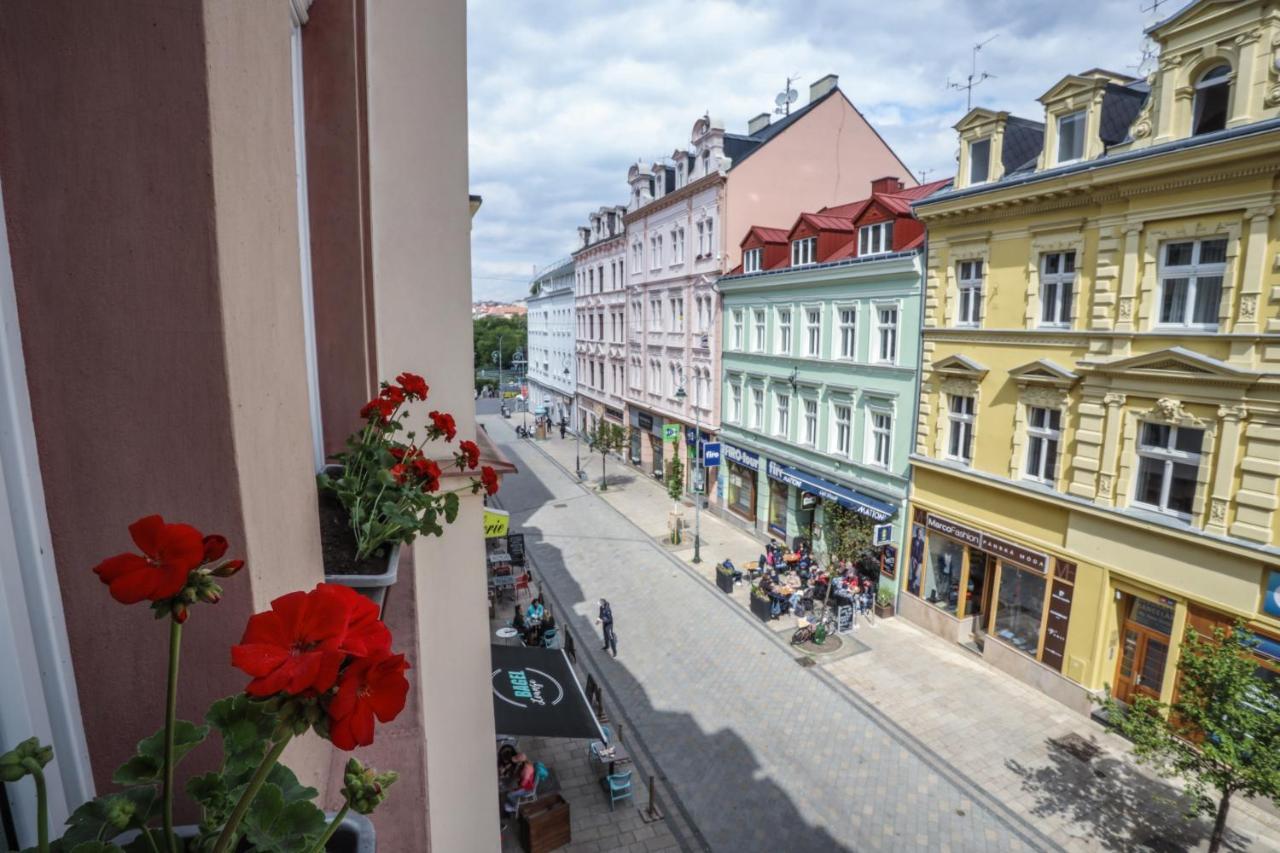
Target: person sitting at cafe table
[535, 611]
[517, 619]
[524, 780]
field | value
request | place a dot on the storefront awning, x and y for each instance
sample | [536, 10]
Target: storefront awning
[536, 693]
[862, 504]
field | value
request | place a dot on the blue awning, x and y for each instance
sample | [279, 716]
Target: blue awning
[862, 504]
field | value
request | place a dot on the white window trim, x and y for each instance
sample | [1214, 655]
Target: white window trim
[847, 451]
[1058, 279]
[970, 284]
[969, 160]
[781, 429]
[1192, 272]
[953, 419]
[1169, 457]
[789, 326]
[759, 330]
[804, 252]
[817, 421]
[808, 327]
[751, 260]
[884, 230]
[1057, 129]
[838, 344]
[869, 448]
[737, 328]
[879, 326]
[760, 412]
[735, 402]
[1045, 434]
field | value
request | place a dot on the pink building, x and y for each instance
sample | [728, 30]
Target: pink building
[682, 217]
[600, 305]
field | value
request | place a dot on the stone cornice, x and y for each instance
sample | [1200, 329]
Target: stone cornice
[671, 198]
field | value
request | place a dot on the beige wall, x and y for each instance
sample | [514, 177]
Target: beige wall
[801, 170]
[421, 271]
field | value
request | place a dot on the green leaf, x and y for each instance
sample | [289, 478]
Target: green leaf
[274, 826]
[293, 790]
[148, 764]
[99, 818]
[245, 725]
[450, 507]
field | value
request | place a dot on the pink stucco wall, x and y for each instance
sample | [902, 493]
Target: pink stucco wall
[828, 156]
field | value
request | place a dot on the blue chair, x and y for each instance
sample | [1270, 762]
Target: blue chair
[549, 638]
[619, 787]
[599, 746]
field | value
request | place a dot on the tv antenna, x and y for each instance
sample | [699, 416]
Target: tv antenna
[1147, 55]
[786, 98]
[974, 77]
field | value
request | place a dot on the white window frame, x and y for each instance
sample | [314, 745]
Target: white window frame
[751, 260]
[810, 413]
[961, 423]
[813, 331]
[1192, 272]
[804, 252]
[1046, 435]
[784, 329]
[735, 403]
[757, 407]
[1169, 456]
[893, 331]
[969, 285]
[782, 415]
[874, 433]
[876, 239]
[738, 324]
[759, 330]
[973, 180]
[842, 448]
[1061, 308]
[848, 332]
[1077, 116]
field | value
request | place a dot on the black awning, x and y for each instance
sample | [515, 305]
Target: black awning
[536, 693]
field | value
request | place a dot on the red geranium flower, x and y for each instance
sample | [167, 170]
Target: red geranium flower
[399, 472]
[296, 646]
[470, 453]
[414, 385]
[366, 634]
[369, 687]
[443, 422]
[429, 472]
[384, 409]
[170, 552]
[489, 478]
[392, 394]
[214, 547]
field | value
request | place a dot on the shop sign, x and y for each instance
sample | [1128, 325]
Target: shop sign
[528, 686]
[613, 413]
[1055, 629]
[847, 498]
[496, 523]
[844, 619]
[882, 534]
[644, 420]
[1003, 549]
[808, 500]
[745, 458]
[515, 547]
[889, 562]
[671, 432]
[711, 454]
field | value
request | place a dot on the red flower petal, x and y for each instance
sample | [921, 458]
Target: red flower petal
[146, 532]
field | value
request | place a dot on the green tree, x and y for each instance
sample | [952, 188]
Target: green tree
[605, 438]
[846, 534]
[1222, 733]
[675, 488]
[485, 333]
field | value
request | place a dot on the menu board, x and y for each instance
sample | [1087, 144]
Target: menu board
[844, 618]
[889, 562]
[515, 547]
[1055, 632]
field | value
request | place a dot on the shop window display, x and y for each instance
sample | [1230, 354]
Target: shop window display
[778, 507]
[1020, 608]
[942, 572]
[742, 491]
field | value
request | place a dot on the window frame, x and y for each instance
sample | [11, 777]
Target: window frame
[894, 328]
[1058, 281]
[759, 330]
[1075, 116]
[969, 292]
[874, 433]
[804, 252]
[962, 423]
[752, 260]
[813, 331]
[883, 234]
[1045, 435]
[1202, 86]
[837, 424]
[851, 328]
[986, 161]
[810, 413]
[1192, 272]
[757, 408]
[1169, 456]
[782, 415]
[735, 400]
[737, 325]
[784, 339]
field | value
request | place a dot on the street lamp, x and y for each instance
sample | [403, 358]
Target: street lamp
[518, 362]
[497, 359]
[699, 471]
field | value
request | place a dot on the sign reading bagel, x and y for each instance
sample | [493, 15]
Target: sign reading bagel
[527, 686]
[536, 693]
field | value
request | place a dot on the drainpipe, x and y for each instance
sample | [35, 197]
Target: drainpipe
[904, 545]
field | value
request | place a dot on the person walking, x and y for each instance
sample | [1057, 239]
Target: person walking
[606, 621]
[563, 426]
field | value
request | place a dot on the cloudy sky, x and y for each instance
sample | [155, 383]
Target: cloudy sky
[566, 94]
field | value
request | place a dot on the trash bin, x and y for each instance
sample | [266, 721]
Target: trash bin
[544, 824]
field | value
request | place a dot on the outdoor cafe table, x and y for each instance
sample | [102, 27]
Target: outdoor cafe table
[618, 756]
[506, 633]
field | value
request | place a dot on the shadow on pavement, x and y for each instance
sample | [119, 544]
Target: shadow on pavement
[728, 804]
[1112, 801]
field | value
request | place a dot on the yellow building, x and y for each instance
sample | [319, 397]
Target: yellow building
[1098, 442]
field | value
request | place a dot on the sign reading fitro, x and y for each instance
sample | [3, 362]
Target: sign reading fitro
[992, 545]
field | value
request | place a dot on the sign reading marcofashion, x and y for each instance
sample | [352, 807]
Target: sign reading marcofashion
[985, 542]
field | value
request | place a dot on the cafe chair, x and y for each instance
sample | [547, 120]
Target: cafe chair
[599, 746]
[549, 638]
[619, 787]
[540, 773]
[522, 587]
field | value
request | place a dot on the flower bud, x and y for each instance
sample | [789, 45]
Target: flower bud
[27, 757]
[214, 547]
[119, 811]
[227, 569]
[180, 612]
[211, 593]
[365, 788]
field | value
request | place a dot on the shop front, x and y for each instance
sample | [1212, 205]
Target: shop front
[742, 473]
[647, 444]
[795, 494]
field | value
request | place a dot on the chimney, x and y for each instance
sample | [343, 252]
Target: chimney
[818, 88]
[757, 124]
[887, 185]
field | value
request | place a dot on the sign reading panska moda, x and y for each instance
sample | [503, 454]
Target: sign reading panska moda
[992, 545]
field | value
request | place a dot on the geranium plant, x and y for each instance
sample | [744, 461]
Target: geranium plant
[389, 484]
[318, 661]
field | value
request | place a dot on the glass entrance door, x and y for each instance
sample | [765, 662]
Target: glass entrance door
[978, 594]
[1144, 650]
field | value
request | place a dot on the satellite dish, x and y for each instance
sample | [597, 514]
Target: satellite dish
[781, 99]
[792, 94]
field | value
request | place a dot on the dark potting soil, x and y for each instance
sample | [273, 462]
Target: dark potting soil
[338, 543]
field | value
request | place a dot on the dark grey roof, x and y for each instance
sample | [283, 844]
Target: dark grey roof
[1120, 106]
[1023, 139]
[739, 146]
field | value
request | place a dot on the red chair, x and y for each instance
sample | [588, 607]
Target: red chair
[522, 586]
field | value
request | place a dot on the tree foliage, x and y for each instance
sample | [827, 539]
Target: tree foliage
[1222, 733]
[847, 534]
[485, 332]
[605, 438]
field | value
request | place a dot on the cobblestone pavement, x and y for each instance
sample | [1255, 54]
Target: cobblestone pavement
[976, 734]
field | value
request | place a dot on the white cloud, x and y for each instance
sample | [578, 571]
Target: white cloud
[565, 96]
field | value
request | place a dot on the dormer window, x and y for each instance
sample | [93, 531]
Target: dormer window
[875, 239]
[1071, 137]
[751, 260]
[979, 161]
[1212, 92]
[804, 252]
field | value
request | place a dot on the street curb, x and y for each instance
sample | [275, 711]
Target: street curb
[1003, 814]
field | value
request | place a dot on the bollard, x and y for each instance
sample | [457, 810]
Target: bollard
[652, 813]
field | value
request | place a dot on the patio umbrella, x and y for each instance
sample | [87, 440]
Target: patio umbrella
[536, 693]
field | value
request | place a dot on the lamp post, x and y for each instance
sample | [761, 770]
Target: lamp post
[518, 361]
[497, 359]
[700, 473]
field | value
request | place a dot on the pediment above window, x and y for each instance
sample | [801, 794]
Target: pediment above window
[959, 367]
[1174, 364]
[1043, 373]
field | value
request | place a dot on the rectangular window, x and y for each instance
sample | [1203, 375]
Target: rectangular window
[813, 332]
[737, 329]
[979, 160]
[811, 422]
[1020, 608]
[970, 282]
[758, 318]
[655, 315]
[842, 442]
[1057, 288]
[1071, 137]
[848, 332]
[701, 238]
[751, 260]
[881, 443]
[1044, 433]
[757, 408]
[960, 431]
[804, 252]
[735, 403]
[886, 334]
[782, 422]
[1168, 460]
[1191, 275]
[875, 239]
[784, 330]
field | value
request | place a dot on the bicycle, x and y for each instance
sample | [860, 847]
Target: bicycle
[824, 622]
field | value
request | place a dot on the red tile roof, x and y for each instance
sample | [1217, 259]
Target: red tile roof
[769, 235]
[827, 223]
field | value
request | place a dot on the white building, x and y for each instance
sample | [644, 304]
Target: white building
[600, 284]
[549, 348]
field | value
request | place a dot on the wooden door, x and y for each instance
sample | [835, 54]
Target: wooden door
[1144, 649]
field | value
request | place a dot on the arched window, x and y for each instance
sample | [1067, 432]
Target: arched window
[1212, 95]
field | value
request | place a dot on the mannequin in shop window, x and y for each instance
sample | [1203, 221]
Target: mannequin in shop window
[944, 580]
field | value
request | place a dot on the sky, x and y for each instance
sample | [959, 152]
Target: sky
[564, 96]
